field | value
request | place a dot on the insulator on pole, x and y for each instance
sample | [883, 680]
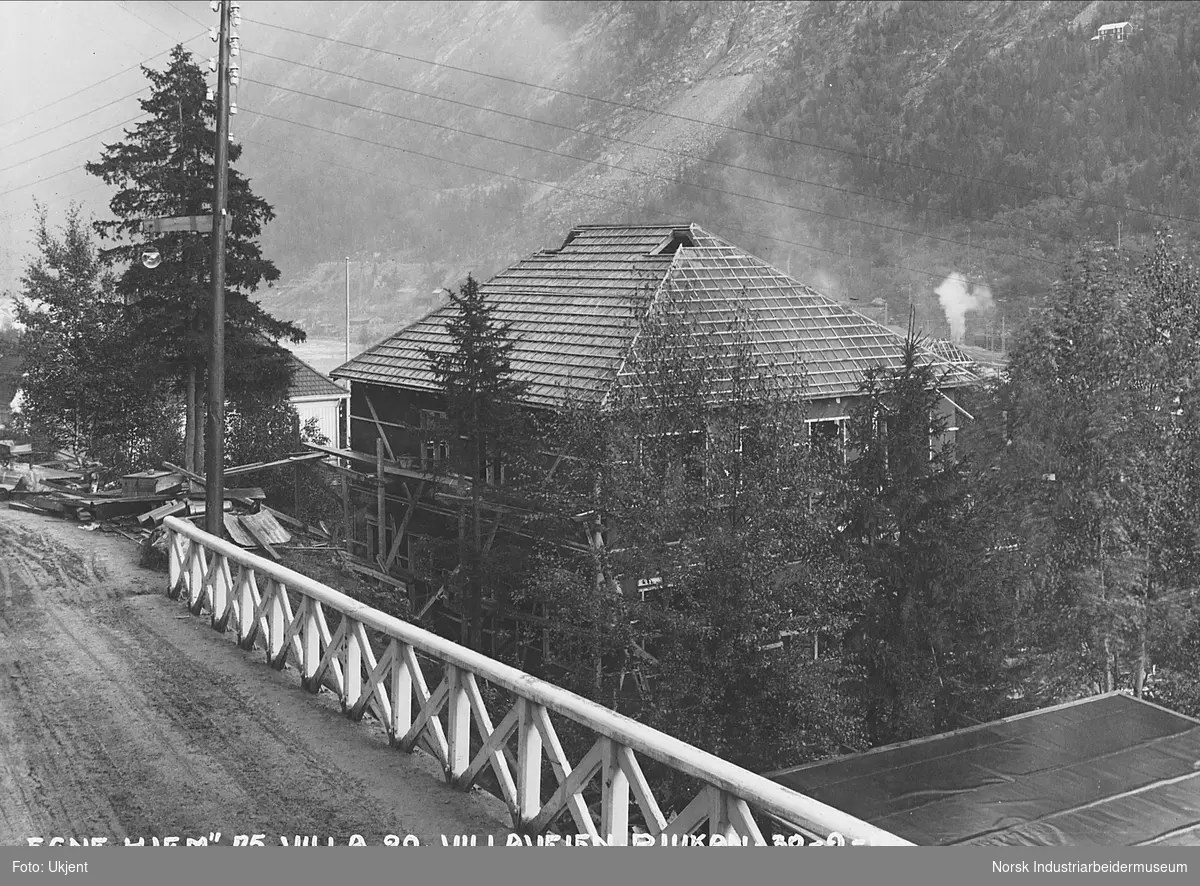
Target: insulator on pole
[212, 34]
[212, 64]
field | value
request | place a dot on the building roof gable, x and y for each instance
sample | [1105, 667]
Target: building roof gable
[307, 382]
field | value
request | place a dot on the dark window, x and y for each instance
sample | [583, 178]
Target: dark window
[434, 448]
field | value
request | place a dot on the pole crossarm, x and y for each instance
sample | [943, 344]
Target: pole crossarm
[372, 661]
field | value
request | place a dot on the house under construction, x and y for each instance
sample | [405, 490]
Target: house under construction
[575, 311]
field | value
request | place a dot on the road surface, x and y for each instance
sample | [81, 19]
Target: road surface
[121, 716]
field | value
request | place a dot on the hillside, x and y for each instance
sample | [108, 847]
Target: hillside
[943, 156]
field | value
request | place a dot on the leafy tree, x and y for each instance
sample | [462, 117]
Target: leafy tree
[76, 353]
[163, 168]
[931, 638]
[1104, 437]
[485, 419]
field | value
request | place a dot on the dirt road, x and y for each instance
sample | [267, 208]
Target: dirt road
[123, 717]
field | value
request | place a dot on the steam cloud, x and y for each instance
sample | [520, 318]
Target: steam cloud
[957, 298]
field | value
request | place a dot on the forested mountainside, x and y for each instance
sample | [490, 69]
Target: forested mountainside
[874, 149]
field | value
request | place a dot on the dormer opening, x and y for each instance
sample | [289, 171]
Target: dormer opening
[669, 246]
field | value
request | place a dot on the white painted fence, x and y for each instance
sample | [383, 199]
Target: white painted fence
[250, 595]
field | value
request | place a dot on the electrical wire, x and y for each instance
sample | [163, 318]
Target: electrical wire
[73, 119]
[569, 190]
[726, 127]
[93, 85]
[666, 178]
[624, 141]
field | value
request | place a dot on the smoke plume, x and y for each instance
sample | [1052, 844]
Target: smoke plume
[957, 297]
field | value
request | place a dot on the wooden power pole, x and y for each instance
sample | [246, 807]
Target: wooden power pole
[214, 516]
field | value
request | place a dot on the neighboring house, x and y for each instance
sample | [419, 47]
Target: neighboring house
[575, 312]
[1114, 31]
[316, 396]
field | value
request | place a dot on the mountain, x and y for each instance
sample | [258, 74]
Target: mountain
[943, 157]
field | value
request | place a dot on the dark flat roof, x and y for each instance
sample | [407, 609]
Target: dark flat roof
[1110, 770]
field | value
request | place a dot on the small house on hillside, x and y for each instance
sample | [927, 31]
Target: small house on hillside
[316, 396]
[1114, 31]
[575, 311]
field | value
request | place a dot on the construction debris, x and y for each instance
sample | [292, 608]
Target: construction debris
[136, 506]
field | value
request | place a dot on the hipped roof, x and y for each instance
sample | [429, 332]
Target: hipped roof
[575, 312]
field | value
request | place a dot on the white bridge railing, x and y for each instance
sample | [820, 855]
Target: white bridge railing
[250, 595]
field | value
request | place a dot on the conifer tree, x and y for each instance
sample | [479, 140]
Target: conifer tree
[484, 419]
[164, 167]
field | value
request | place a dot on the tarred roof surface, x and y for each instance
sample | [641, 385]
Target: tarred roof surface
[1109, 770]
[575, 310]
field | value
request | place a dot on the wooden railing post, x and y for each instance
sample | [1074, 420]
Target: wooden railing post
[529, 762]
[614, 810]
[401, 693]
[195, 578]
[219, 594]
[352, 676]
[247, 623]
[276, 652]
[458, 725]
[310, 639]
[174, 563]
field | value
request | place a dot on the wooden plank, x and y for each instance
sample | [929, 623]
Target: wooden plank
[191, 475]
[374, 573]
[412, 506]
[379, 428]
[198, 224]
[156, 516]
[380, 496]
[259, 536]
[237, 532]
[263, 465]
[265, 525]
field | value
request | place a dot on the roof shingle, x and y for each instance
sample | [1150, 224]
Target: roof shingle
[574, 312]
[307, 382]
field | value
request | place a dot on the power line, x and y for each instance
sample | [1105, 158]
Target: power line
[553, 187]
[73, 119]
[71, 144]
[125, 8]
[666, 178]
[59, 198]
[727, 127]
[39, 181]
[619, 140]
[94, 85]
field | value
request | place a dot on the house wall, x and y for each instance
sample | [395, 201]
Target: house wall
[328, 414]
[399, 413]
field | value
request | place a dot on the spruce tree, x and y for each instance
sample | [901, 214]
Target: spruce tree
[484, 419]
[164, 167]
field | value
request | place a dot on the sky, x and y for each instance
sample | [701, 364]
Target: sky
[71, 80]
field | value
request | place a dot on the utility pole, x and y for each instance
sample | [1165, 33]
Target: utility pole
[347, 355]
[214, 516]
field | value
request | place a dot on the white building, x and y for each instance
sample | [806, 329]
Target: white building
[317, 396]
